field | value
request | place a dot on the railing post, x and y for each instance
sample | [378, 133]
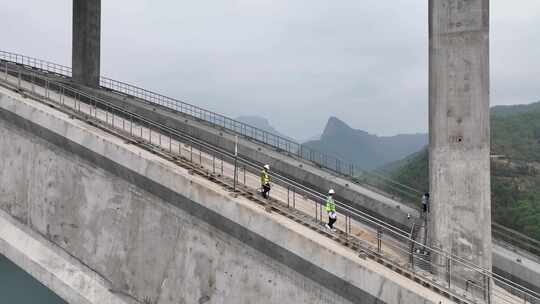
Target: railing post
[347, 225]
[294, 198]
[235, 161]
[379, 239]
[288, 196]
[411, 253]
[320, 212]
[448, 271]
[19, 78]
[487, 287]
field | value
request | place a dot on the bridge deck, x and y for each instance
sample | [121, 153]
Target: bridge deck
[224, 170]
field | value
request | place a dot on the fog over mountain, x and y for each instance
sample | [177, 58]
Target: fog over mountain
[294, 62]
[365, 149]
[261, 123]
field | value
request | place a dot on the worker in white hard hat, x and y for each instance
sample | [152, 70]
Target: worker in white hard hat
[331, 210]
[265, 181]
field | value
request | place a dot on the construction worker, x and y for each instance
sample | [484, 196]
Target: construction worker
[265, 181]
[425, 202]
[331, 210]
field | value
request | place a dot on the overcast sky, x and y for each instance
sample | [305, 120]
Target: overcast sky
[295, 62]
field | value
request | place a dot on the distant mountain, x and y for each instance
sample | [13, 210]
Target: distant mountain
[515, 175]
[501, 111]
[366, 150]
[261, 123]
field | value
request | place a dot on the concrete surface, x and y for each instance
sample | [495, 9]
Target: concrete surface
[54, 268]
[506, 268]
[459, 165]
[156, 231]
[516, 266]
[86, 42]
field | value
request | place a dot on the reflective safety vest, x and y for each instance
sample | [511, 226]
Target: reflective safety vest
[265, 178]
[330, 205]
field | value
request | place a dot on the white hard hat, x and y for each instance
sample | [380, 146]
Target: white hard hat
[331, 191]
[267, 167]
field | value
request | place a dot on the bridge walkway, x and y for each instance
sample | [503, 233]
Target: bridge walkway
[219, 167]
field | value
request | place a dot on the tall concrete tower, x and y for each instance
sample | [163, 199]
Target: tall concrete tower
[86, 42]
[459, 142]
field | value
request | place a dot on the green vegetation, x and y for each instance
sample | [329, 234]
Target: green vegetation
[515, 175]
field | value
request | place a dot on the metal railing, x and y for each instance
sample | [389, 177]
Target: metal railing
[43, 65]
[457, 277]
[374, 179]
[513, 238]
[282, 144]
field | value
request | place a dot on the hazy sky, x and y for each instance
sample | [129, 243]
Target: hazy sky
[295, 62]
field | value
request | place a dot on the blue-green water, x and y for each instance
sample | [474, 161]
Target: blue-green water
[18, 287]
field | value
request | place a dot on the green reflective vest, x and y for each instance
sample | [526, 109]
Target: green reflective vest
[265, 178]
[330, 205]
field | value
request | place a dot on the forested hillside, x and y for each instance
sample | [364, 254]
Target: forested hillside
[515, 168]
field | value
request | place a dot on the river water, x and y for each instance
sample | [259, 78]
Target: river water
[18, 287]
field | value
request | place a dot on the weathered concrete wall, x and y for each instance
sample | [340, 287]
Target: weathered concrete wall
[153, 230]
[460, 219]
[55, 268]
[86, 42]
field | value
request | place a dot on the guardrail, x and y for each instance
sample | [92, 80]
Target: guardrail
[280, 143]
[391, 241]
[291, 147]
[517, 239]
[43, 65]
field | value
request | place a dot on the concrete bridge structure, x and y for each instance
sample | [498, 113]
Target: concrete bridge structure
[110, 196]
[99, 219]
[90, 228]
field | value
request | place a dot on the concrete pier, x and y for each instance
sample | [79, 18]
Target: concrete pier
[460, 219]
[86, 42]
